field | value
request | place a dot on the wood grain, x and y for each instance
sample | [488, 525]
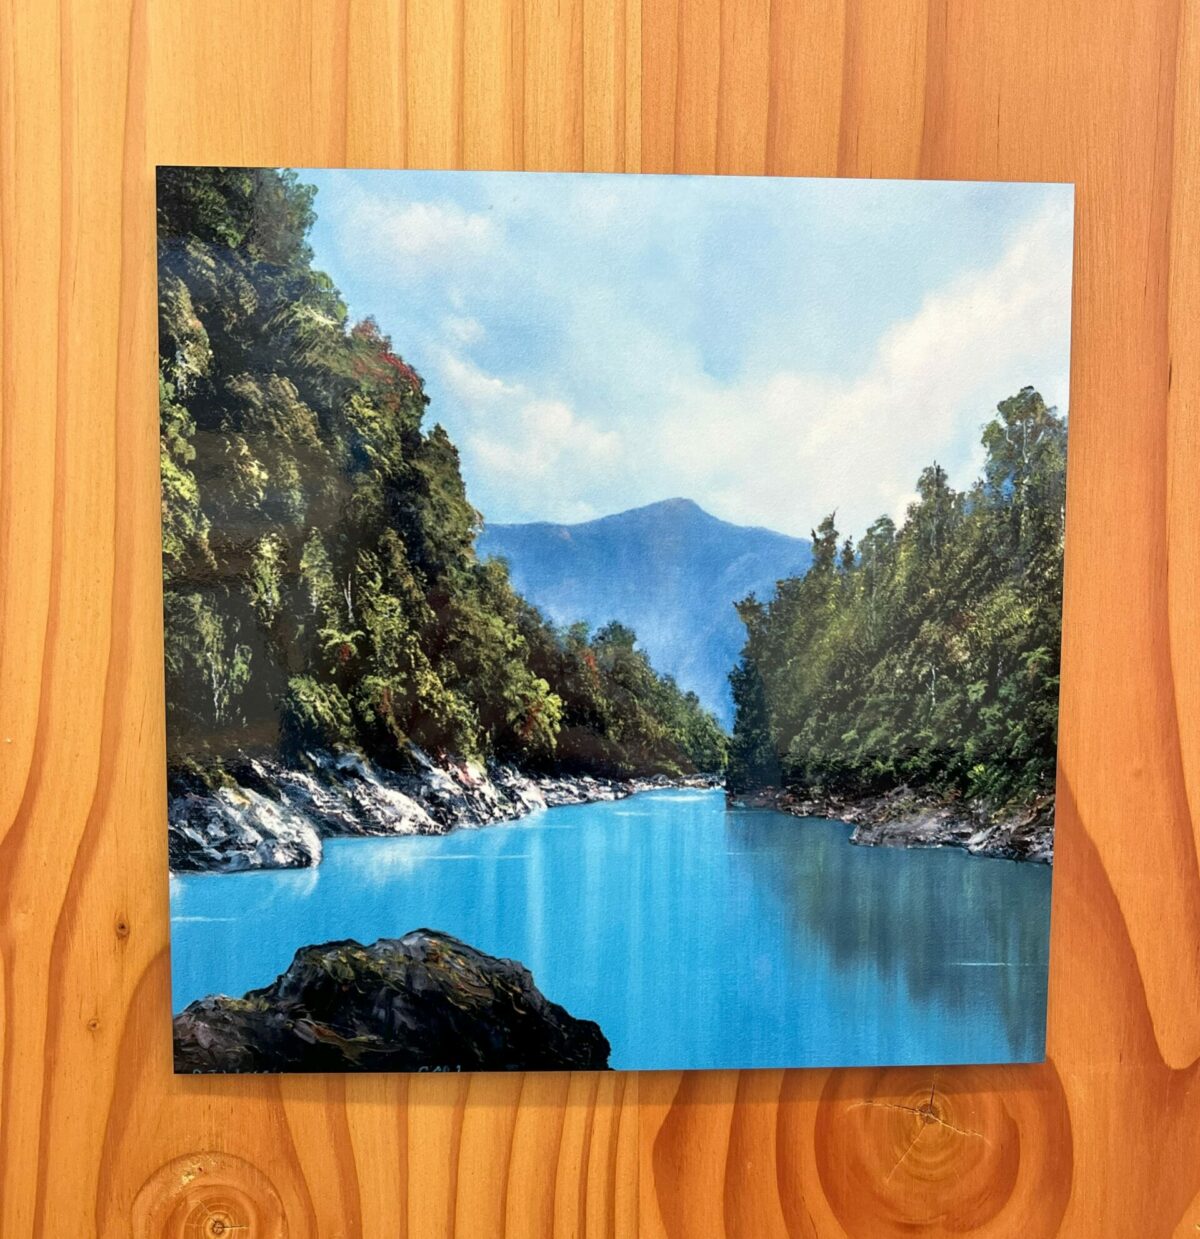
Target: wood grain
[96, 1136]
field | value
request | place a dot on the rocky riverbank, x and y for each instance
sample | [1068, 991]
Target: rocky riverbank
[424, 1002]
[906, 819]
[261, 813]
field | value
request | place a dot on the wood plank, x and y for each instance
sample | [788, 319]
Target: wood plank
[96, 1136]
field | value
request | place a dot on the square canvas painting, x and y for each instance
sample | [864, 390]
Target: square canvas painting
[610, 621]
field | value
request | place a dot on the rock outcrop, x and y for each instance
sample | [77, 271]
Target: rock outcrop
[261, 813]
[906, 819]
[232, 827]
[424, 1002]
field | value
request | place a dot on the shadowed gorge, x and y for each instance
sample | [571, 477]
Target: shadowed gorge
[670, 571]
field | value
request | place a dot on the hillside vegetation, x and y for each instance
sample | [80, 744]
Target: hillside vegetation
[925, 655]
[321, 586]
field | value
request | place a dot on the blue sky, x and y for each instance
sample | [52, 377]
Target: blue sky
[771, 348]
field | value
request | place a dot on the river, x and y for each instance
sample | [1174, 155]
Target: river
[695, 935]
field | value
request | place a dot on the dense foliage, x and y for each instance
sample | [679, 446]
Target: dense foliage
[926, 655]
[321, 586]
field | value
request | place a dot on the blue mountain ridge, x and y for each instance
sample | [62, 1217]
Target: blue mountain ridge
[670, 571]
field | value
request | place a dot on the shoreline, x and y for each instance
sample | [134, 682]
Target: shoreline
[255, 813]
[907, 819]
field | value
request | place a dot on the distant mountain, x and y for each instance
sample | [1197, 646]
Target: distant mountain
[670, 571]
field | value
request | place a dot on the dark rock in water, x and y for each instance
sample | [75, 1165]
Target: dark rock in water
[424, 1002]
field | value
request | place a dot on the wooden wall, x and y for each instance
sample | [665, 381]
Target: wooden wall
[96, 1136]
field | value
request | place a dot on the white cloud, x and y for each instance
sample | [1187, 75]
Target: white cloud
[374, 231]
[529, 447]
[762, 347]
[471, 386]
[535, 448]
[811, 444]
[463, 329]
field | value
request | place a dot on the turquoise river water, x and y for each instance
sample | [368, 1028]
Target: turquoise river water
[695, 935]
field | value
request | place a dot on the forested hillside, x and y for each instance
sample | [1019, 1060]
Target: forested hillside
[321, 586]
[925, 655]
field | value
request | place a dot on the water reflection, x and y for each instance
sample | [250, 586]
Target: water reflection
[952, 928]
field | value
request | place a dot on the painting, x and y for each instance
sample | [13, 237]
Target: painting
[610, 621]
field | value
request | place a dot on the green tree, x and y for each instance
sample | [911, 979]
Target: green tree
[319, 569]
[927, 654]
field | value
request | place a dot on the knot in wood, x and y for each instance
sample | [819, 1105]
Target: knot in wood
[901, 1148]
